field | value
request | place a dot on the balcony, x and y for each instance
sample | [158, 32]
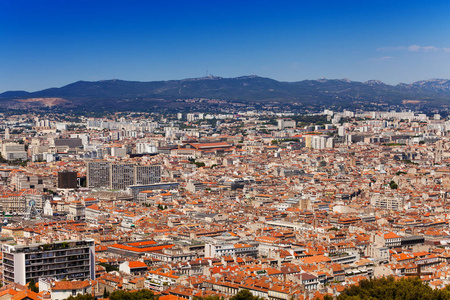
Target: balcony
[56, 266]
[55, 247]
[56, 254]
[60, 258]
[8, 262]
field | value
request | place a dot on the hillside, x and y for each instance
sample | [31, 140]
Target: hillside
[123, 95]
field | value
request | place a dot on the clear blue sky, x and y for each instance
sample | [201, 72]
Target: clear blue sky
[52, 43]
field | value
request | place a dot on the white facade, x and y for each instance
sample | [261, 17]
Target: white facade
[68, 259]
[118, 152]
[48, 210]
[218, 250]
[145, 148]
[13, 151]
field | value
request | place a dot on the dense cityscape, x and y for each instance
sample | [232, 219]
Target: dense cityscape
[224, 150]
[204, 205]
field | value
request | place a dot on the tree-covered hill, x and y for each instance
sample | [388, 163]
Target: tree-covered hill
[125, 95]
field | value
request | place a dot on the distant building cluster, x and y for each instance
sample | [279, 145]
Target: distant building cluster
[203, 204]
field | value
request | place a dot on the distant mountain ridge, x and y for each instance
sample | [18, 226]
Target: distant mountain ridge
[248, 89]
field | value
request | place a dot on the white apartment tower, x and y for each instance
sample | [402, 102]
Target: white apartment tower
[71, 260]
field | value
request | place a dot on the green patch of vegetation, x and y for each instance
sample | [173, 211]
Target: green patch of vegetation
[162, 207]
[32, 286]
[245, 295]
[143, 294]
[108, 267]
[303, 120]
[197, 163]
[393, 185]
[408, 161]
[391, 289]
[105, 293]
[276, 142]
[215, 297]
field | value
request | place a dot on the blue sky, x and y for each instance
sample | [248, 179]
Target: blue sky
[52, 43]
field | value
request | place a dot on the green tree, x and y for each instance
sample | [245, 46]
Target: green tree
[199, 164]
[393, 185]
[143, 294]
[32, 286]
[391, 289]
[244, 295]
[210, 297]
[105, 293]
[81, 297]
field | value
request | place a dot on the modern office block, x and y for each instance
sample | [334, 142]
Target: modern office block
[67, 180]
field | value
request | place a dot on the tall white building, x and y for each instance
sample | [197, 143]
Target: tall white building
[13, 151]
[341, 131]
[282, 124]
[322, 142]
[145, 148]
[98, 173]
[190, 117]
[147, 174]
[7, 135]
[121, 176]
[71, 260]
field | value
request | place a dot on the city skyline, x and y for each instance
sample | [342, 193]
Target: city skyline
[58, 43]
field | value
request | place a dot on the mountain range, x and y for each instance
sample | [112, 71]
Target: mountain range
[251, 90]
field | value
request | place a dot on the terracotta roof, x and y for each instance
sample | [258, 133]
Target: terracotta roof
[136, 264]
[391, 235]
[70, 285]
[26, 294]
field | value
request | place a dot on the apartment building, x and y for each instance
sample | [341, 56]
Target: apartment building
[121, 175]
[18, 202]
[77, 211]
[230, 249]
[98, 173]
[147, 175]
[388, 202]
[13, 151]
[72, 260]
